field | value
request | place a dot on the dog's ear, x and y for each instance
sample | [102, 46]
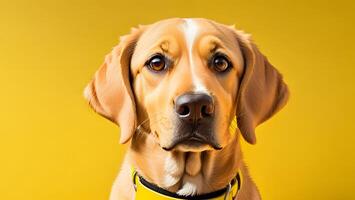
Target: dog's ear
[262, 91]
[109, 93]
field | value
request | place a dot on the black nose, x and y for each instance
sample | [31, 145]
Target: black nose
[193, 107]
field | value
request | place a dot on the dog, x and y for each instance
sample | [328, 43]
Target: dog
[183, 92]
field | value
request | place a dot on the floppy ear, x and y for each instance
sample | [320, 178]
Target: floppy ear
[109, 93]
[262, 91]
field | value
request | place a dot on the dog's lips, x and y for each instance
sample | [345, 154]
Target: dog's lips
[194, 141]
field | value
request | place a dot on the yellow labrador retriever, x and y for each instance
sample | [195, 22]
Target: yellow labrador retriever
[183, 91]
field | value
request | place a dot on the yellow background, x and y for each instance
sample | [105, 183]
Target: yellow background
[52, 146]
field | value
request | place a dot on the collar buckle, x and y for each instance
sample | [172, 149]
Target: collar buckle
[134, 180]
[228, 191]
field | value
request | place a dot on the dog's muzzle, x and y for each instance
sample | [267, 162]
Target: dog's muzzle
[195, 113]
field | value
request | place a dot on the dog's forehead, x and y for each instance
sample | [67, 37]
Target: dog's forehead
[179, 35]
[183, 31]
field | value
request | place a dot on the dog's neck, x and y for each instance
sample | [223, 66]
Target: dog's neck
[185, 173]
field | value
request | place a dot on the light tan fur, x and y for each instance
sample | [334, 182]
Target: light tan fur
[141, 102]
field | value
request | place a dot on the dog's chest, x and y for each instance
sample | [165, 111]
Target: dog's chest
[183, 173]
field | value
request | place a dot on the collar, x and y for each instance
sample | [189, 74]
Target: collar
[146, 190]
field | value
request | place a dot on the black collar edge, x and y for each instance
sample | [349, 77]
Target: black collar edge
[210, 195]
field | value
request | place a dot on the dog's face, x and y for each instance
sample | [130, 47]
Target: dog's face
[186, 75]
[184, 81]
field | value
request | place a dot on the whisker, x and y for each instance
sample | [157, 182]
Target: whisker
[140, 128]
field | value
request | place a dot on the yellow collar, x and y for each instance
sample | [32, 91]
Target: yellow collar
[146, 191]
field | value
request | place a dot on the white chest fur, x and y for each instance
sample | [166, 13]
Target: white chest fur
[186, 169]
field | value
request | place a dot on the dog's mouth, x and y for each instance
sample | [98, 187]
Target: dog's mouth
[193, 141]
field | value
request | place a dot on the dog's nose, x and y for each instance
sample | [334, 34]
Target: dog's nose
[193, 107]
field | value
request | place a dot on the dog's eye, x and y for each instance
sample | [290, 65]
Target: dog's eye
[157, 63]
[220, 63]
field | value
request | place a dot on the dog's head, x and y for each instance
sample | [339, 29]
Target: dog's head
[188, 83]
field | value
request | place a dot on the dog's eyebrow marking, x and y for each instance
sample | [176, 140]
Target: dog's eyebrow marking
[164, 46]
[190, 32]
[214, 47]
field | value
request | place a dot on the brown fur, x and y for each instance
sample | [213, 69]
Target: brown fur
[141, 102]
